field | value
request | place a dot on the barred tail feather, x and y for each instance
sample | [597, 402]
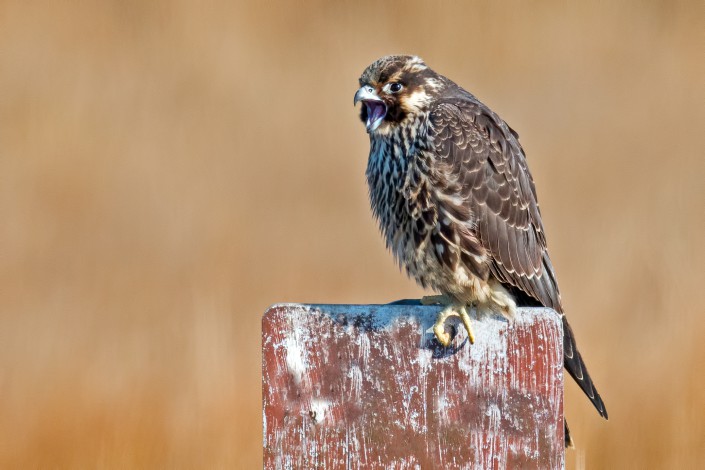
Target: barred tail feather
[576, 368]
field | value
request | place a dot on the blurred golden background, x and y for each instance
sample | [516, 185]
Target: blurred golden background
[170, 169]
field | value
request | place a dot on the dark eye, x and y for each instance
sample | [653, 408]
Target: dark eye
[395, 87]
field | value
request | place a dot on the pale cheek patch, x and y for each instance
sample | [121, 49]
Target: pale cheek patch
[417, 100]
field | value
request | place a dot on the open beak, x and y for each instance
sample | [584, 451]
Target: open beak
[376, 109]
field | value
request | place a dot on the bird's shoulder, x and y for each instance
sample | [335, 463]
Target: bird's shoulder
[472, 143]
[458, 118]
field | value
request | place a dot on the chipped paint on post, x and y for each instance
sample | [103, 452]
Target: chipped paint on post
[367, 386]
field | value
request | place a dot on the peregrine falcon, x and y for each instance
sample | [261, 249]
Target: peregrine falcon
[455, 201]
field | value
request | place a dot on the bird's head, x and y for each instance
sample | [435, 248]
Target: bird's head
[394, 89]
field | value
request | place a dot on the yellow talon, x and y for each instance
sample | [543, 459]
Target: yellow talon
[439, 328]
[450, 311]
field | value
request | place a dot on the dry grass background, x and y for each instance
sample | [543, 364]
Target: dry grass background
[169, 169]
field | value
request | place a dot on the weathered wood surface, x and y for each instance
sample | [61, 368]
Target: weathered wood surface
[367, 386]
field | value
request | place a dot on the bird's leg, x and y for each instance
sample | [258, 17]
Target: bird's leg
[439, 328]
[452, 311]
[466, 322]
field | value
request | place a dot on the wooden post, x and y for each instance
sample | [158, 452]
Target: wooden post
[368, 386]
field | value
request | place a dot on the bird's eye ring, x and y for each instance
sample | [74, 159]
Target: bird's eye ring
[395, 87]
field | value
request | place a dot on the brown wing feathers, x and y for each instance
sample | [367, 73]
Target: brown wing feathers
[483, 154]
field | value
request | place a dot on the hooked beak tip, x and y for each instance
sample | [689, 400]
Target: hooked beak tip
[376, 108]
[366, 93]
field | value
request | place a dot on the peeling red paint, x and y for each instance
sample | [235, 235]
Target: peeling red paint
[367, 386]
